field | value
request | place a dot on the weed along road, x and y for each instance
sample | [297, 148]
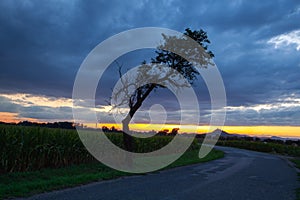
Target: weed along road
[241, 174]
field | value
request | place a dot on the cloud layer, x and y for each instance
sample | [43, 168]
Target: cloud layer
[256, 44]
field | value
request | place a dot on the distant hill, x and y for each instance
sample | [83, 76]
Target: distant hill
[225, 134]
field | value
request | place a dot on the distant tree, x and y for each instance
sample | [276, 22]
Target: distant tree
[105, 129]
[63, 125]
[257, 139]
[26, 123]
[66, 125]
[174, 131]
[171, 60]
[166, 130]
[248, 138]
[113, 129]
[163, 132]
[289, 142]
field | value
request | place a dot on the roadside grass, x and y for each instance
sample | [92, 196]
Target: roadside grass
[24, 184]
[297, 164]
[260, 146]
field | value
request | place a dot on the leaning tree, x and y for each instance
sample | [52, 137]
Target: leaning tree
[171, 60]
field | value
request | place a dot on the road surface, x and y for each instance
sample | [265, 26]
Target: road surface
[240, 175]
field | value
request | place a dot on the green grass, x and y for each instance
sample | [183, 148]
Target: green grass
[297, 163]
[191, 157]
[34, 148]
[35, 159]
[22, 184]
[269, 147]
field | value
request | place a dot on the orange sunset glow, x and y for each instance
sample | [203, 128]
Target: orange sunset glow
[13, 118]
[27, 100]
[280, 131]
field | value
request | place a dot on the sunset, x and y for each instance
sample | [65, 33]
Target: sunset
[60, 109]
[93, 92]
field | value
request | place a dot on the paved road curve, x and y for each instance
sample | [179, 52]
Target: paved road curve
[240, 175]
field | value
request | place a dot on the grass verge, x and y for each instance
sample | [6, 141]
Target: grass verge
[297, 164]
[282, 149]
[22, 184]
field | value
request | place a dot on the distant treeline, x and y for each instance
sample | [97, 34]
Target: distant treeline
[71, 125]
[63, 125]
[164, 132]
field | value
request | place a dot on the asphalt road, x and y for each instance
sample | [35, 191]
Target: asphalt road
[240, 175]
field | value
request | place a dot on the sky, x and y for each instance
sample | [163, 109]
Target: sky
[256, 46]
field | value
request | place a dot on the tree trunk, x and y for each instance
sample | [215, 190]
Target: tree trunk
[128, 140]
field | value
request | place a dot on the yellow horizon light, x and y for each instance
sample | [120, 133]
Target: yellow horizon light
[261, 130]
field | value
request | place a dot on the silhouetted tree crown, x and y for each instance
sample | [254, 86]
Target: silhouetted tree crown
[190, 56]
[177, 62]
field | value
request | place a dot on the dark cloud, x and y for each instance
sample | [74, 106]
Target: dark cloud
[46, 113]
[7, 106]
[44, 43]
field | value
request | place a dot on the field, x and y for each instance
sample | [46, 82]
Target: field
[268, 147]
[296, 161]
[34, 148]
[35, 159]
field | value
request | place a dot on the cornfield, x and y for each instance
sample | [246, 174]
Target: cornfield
[33, 148]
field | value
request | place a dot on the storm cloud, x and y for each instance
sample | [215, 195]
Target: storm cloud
[256, 47]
